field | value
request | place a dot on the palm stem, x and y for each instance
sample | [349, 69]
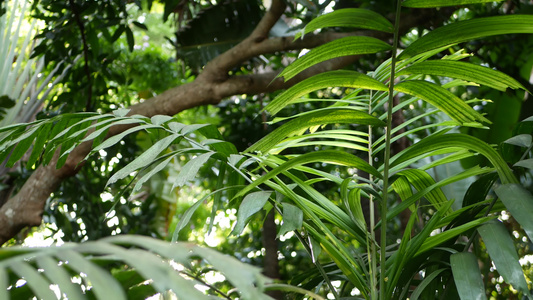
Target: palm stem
[383, 244]
[372, 252]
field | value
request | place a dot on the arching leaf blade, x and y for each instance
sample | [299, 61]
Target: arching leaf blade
[455, 140]
[38, 284]
[324, 156]
[329, 116]
[339, 78]
[463, 31]
[465, 71]
[58, 275]
[441, 98]
[467, 276]
[441, 3]
[104, 285]
[353, 45]
[348, 17]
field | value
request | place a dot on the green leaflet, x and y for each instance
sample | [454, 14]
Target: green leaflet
[463, 31]
[467, 276]
[441, 98]
[145, 159]
[440, 3]
[292, 219]
[465, 71]
[519, 202]
[521, 140]
[526, 163]
[340, 78]
[349, 17]
[324, 156]
[454, 140]
[353, 45]
[501, 249]
[191, 168]
[250, 205]
[327, 116]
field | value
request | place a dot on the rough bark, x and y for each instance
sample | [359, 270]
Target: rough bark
[211, 86]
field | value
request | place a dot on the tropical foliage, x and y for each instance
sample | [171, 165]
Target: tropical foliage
[434, 256]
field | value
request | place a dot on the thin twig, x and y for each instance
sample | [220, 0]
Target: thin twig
[77, 16]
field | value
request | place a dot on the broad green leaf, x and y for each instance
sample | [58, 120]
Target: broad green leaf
[329, 116]
[501, 249]
[4, 284]
[468, 30]
[339, 78]
[190, 169]
[160, 119]
[38, 284]
[519, 202]
[521, 140]
[143, 160]
[175, 126]
[250, 205]
[59, 276]
[479, 189]
[292, 219]
[465, 71]
[526, 163]
[467, 276]
[349, 17]
[354, 45]
[190, 128]
[441, 98]
[454, 140]
[121, 112]
[440, 3]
